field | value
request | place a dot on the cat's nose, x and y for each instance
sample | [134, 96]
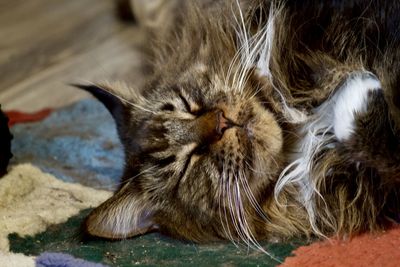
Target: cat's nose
[211, 126]
[222, 123]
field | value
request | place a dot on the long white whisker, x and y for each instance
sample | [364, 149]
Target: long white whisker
[108, 186]
[238, 214]
[232, 209]
[245, 230]
[251, 197]
[224, 221]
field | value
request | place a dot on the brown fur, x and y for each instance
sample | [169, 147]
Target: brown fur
[190, 177]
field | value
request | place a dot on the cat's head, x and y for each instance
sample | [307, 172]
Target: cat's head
[202, 146]
[199, 157]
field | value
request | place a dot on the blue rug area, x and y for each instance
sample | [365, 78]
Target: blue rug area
[63, 260]
[78, 143]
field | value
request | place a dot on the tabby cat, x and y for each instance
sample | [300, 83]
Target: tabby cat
[261, 119]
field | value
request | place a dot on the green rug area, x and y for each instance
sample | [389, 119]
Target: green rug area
[149, 250]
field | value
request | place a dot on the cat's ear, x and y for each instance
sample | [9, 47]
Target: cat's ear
[123, 215]
[113, 96]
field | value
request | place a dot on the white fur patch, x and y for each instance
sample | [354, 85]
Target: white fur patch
[352, 99]
[317, 134]
[332, 121]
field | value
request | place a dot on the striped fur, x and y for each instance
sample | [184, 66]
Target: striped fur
[261, 119]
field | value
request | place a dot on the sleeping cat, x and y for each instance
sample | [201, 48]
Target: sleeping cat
[261, 119]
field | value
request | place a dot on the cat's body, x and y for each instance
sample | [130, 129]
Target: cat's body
[262, 119]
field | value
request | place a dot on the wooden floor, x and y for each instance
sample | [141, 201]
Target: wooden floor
[46, 44]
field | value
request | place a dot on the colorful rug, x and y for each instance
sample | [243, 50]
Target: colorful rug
[69, 162]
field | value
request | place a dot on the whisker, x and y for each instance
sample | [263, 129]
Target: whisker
[245, 230]
[122, 99]
[224, 221]
[232, 211]
[113, 185]
[251, 196]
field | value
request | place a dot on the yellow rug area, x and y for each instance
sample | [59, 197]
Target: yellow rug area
[31, 200]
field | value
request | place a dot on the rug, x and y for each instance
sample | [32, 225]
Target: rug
[69, 162]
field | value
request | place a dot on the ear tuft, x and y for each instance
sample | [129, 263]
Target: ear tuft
[123, 215]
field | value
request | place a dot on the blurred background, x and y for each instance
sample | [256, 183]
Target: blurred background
[47, 44]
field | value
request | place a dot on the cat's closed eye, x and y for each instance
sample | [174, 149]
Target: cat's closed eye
[187, 106]
[191, 106]
[185, 103]
[168, 107]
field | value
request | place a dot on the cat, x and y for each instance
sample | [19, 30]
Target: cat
[261, 119]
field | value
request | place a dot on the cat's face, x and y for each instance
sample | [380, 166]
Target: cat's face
[202, 145]
[199, 155]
